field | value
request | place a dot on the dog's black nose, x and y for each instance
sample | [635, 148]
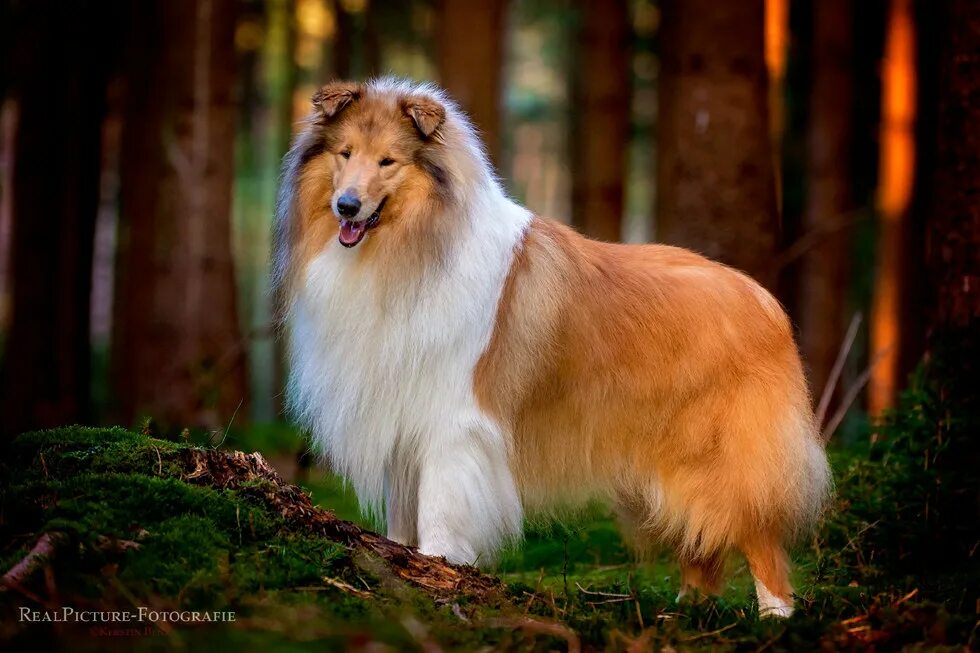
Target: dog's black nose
[348, 205]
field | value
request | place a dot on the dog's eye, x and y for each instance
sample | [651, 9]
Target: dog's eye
[385, 162]
[345, 154]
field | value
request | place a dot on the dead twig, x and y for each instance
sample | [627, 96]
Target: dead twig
[608, 594]
[710, 633]
[459, 613]
[905, 598]
[541, 628]
[38, 557]
[852, 394]
[835, 372]
[605, 601]
[814, 238]
[346, 587]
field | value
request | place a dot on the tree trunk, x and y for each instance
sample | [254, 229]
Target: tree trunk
[896, 181]
[825, 268]
[471, 50]
[59, 81]
[178, 350]
[952, 270]
[953, 234]
[601, 118]
[715, 183]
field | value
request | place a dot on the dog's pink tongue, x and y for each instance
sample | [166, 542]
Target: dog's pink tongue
[351, 233]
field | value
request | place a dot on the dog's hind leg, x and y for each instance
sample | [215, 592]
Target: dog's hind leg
[770, 567]
[468, 506]
[704, 575]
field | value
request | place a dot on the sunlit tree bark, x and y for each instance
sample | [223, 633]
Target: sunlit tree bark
[178, 350]
[601, 118]
[715, 182]
[894, 195]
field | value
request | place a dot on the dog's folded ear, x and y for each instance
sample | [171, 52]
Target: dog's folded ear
[332, 98]
[427, 114]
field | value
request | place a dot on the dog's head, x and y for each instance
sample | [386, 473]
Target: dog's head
[381, 167]
[375, 149]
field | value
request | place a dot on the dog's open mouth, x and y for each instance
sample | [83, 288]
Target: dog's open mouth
[351, 233]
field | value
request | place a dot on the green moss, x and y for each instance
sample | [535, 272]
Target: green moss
[140, 534]
[206, 548]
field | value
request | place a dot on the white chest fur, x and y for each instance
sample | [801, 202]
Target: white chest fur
[383, 378]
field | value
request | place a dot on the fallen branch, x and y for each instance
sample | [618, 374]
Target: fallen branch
[606, 594]
[346, 587]
[44, 550]
[814, 238]
[852, 394]
[835, 372]
[541, 628]
[240, 471]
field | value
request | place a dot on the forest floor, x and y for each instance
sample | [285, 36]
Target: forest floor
[107, 519]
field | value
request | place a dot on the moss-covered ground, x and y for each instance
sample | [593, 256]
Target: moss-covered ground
[890, 568]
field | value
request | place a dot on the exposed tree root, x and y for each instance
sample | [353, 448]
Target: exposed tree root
[252, 476]
[38, 557]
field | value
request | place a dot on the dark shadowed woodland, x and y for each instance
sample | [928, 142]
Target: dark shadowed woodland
[831, 149]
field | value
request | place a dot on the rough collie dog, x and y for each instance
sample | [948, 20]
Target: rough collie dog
[464, 362]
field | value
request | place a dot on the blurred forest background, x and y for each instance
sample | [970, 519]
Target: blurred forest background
[831, 148]
[799, 140]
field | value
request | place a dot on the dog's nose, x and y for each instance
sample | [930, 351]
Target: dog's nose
[348, 205]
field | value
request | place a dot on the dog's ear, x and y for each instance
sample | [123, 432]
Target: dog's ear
[427, 114]
[332, 98]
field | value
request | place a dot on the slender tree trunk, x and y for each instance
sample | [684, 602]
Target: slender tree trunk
[178, 349]
[59, 81]
[896, 181]
[356, 49]
[471, 50]
[341, 64]
[952, 244]
[715, 182]
[825, 268]
[601, 118]
[952, 266]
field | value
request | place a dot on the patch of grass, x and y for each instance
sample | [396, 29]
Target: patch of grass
[332, 492]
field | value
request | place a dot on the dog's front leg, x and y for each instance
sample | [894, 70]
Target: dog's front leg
[468, 505]
[401, 506]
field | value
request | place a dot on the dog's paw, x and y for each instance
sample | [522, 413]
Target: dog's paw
[771, 605]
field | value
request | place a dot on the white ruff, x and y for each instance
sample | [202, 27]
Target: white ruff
[383, 378]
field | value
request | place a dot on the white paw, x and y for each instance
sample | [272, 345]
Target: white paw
[771, 605]
[777, 611]
[458, 553]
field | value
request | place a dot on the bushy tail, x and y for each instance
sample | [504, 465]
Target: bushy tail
[809, 484]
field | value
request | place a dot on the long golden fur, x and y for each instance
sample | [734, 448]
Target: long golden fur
[649, 375]
[665, 380]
